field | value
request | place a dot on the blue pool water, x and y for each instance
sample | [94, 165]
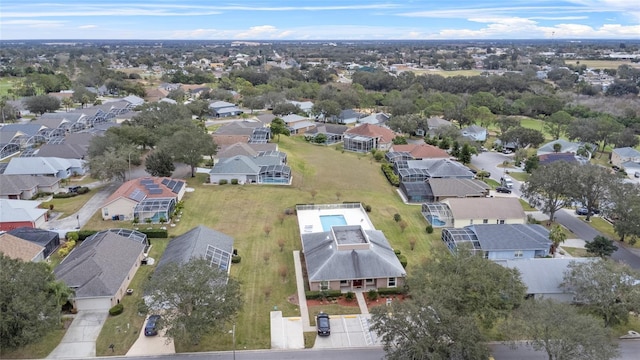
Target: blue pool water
[435, 221]
[332, 220]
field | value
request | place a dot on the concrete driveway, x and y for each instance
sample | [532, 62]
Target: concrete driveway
[348, 331]
[80, 340]
[151, 345]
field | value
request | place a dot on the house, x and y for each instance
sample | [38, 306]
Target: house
[46, 166]
[347, 116]
[565, 146]
[224, 109]
[474, 133]
[460, 212]
[420, 151]
[20, 249]
[133, 101]
[437, 189]
[333, 133]
[298, 124]
[266, 168]
[343, 251]
[375, 119]
[48, 240]
[101, 267]
[150, 198]
[200, 242]
[14, 137]
[619, 156]
[19, 213]
[255, 130]
[500, 242]
[25, 187]
[71, 146]
[549, 158]
[366, 137]
[421, 170]
[543, 277]
[434, 125]
[305, 106]
[246, 149]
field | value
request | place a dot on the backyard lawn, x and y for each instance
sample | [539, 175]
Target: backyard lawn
[320, 175]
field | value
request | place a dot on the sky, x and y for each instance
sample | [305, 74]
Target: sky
[320, 19]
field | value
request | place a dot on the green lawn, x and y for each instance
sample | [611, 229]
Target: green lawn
[69, 206]
[39, 349]
[244, 211]
[6, 84]
[526, 206]
[576, 252]
[520, 176]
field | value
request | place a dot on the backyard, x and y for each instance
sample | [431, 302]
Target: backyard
[254, 216]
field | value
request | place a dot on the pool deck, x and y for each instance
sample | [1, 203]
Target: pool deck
[309, 220]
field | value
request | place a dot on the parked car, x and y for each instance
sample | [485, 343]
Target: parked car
[582, 211]
[151, 329]
[502, 189]
[323, 324]
[637, 174]
[74, 189]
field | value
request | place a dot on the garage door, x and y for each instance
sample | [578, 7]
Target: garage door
[94, 304]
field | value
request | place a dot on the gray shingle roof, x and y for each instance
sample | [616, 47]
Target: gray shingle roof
[484, 208]
[236, 165]
[441, 168]
[627, 152]
[100, 264]
[325, 262]
[498, 237]
[457, 187]
[16, 184]
[193, 245]
[542, 276]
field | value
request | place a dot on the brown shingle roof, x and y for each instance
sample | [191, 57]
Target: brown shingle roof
[483, 208]
[225, 140]
[422, 151]
[16, 248]
[383, 134]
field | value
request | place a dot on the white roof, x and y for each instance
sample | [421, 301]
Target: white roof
[41, 165]
[20, 210]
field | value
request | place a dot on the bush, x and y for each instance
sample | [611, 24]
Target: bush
[83, 190]
[83, 234]
[235, 259]
[397, 217]
[116, 310]
[387, 169]
[64, 195]
[155, 233]
[429, 229]
[349, 296]
[367, 208]
[390, 291]
[314, 295]
[72, 236]
[222, 182]
[403, 260]
[372, 295]
[41, 194]
[397, 252]
[142, 307]
[234, 181]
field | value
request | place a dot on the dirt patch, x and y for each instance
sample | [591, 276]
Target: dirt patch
[384, 300]
[293, 299]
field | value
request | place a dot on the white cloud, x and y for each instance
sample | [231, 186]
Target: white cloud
[33, 23]
[87, 26]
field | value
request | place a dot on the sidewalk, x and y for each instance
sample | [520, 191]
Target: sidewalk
[302, 299]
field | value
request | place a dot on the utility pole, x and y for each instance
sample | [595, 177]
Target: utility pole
[129, 166]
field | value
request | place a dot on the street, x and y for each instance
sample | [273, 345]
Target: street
[308, 354]
[629, 350]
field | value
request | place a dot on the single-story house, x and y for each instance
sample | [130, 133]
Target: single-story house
[19, 213]
[25, 187]
[625, 154]
[481, 210]
[200, 242]
[421, 170]
[46, 166]
[334, 133]
[543, 277]
[101, 268]
[344, 251]
[20, 249]
[549, 158]
[145, 198]
[298, 124]
[474, 133]
[420, 151]
[438, 189]
[246, 149]
[375, 119]
[366, 137]
[347, 116]
[565, 146]
[434, 124]
[266, 168]
[305, 106]
[49, 240]
[224, 109]
[500, 242]
[14, 137]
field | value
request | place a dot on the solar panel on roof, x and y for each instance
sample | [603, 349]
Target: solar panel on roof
[146, 181]
[137, 195]
[165, 181]
[155, 191]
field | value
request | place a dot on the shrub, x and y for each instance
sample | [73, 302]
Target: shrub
[83, 190]
[387, 169]
[64, 195]
[222, 181]
[83, 234]
[403, 260]
[429, 229]
[397, 252]
[72, 236]
[155, 233]
[116, 310]
[142, 307]
[372, 295]
[367, 208]
[397, 217]
[391, 291]
[235, 259]
[314, 295]
[234, 181]
[349, 296]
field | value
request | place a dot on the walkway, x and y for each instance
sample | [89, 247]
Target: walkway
[362, 303]
[80, 338]
[302, 299]
[85, 213]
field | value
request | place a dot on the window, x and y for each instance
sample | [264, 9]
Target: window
[485, 221]
[486, 255]
[106, 211]
[518, 254]
[369, 281]
[391, 282]
[324, 285]
[500, 221]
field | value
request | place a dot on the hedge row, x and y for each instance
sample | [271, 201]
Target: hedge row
[313, 295]
[391, 291]
[155, 233]
[387, 169]
[83, 234]
[80, 191]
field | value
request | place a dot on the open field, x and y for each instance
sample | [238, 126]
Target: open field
[6, 84]
[602, 64]
[244, 212]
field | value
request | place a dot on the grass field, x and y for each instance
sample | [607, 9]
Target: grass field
[6, 84]
[244, 211]
[69, 206]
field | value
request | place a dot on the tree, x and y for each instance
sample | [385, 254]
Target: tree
[83, 96]
[550, 187]
[625, 209]
[557, 123]
[419, 328]
[465, 154]
[201, 299]
[8, 112]
[109, 166]
[531, 164]
[279, 127]
[557, 236]
[41, 104]
[29, 298]
[608, 289]
[561, 331]
[67, 103]
[469, 286]
[189, 146]
[159, 163]
[507, 122]
[591, 186]
[523, 137]
[327, 109]
[600, 246]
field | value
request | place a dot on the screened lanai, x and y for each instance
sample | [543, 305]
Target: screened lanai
[359, 143]
[437, 214]
[456, 238]
[155, 209]
[128, 233]
[413, 175]
[274, 174]
[416, 192]
[395, 156]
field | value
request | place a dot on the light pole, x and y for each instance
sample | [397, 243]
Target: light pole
[233, 333]
[78, 218]
[129, 166]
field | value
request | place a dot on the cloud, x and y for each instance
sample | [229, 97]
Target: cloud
[33, 23]
[87, 26]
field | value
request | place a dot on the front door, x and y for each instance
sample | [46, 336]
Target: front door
[357, 283]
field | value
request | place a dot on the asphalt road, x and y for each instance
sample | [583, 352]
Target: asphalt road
[629, 350]
[308, 354]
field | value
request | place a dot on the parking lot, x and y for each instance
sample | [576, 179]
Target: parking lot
[348, 331]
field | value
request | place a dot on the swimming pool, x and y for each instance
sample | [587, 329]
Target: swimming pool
[329, 221]
[435, 221]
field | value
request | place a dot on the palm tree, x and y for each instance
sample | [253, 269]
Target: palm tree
[61, 292]
[557, 236]
[67, 103]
